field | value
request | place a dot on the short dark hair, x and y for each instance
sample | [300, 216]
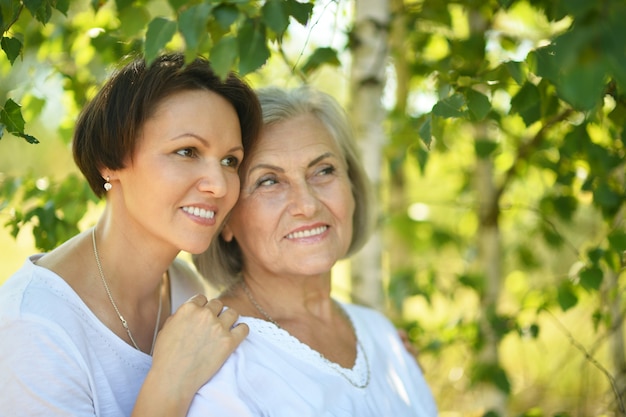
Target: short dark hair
[108, 127]
[221, 264]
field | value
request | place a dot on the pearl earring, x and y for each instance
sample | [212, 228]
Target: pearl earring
[107, 185]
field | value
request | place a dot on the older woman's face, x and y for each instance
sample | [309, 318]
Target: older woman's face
[294, 213]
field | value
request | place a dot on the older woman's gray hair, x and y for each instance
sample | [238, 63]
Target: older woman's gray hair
[222, 263]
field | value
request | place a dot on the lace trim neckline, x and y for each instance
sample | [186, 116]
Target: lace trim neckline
[358, 375]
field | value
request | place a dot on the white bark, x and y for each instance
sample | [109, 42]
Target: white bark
[369, 59]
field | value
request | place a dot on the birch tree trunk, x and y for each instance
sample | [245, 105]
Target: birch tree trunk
[489, 256]
[488, 265]
[369, 60]
[612, 296]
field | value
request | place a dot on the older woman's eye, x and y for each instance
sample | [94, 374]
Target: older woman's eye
[231, 161]
[326, 170]
[187, 152]
[265, 181]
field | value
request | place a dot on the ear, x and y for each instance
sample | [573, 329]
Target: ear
[108, 173]
[227, 233]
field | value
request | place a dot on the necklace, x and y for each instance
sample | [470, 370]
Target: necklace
[337, 368]
[122, 319]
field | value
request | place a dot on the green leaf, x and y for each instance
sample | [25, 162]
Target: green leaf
[425, 132]
[226, 15]
[515, 70]
[527, 103]
[40, 9]
[223, 56]
[9, 11]
[578, 7]
[449, 106]
[421, 154]
[320, 57]
[591, 278]
[177, 4]
[595, 254]
[12, 47]
[534, 330]
[566, 296]
[607, 199]
[492, 373]
[617, 240]
[11, 117]
[62, 5]
[475, 281]
[193, 24]
[484, 148]
[545, 63]
[30, 139]
[253, 51]
[133, 20]
[96, 4]
[160, 32]
[275, 15]
[583, 86]
[122, 4]
[478, 104]
[300, 11]
[565, 206]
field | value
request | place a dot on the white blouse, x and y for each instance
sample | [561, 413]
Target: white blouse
[273, 374]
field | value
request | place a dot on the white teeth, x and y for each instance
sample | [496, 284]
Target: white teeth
[307, 233]
[199, 212]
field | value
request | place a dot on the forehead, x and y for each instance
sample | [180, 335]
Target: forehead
[296, 137]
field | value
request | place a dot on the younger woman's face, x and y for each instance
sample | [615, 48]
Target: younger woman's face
[182, 179]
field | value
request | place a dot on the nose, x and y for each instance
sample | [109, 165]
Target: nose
[213, 179]
[303, 200]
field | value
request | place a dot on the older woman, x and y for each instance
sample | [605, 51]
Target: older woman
[96, 326]
[304, 204]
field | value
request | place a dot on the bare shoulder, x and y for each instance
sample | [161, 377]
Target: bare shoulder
[70, 260]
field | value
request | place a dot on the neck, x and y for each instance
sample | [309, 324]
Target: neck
[133, 266]
[286, 299]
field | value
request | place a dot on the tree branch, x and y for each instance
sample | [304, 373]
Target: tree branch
[526, 148]
[592, 360]
[17, 15]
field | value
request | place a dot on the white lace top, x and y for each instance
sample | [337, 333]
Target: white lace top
[273, 374]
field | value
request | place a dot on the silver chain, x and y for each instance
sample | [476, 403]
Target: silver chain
[122, 319]
[257, 306]
[271, 320]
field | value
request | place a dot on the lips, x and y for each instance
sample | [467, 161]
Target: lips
[199, 212]
[307, 233]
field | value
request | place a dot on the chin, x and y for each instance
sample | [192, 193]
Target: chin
[196, 248]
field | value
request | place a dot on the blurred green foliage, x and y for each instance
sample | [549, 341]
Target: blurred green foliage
[534, 89]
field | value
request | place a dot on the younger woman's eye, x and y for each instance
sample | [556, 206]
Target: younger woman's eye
[231, 161]
[187, 152]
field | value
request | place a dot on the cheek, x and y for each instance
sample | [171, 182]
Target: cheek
[232, 192]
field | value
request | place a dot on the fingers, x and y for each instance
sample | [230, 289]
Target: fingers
[215, 306]
[227, 316]
[240, 332]
[198, 299]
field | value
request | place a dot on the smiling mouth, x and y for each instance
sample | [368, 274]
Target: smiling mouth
[199, 212]
[307, 233]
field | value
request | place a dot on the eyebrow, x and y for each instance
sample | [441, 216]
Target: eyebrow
[204, 141]
[279, 169]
